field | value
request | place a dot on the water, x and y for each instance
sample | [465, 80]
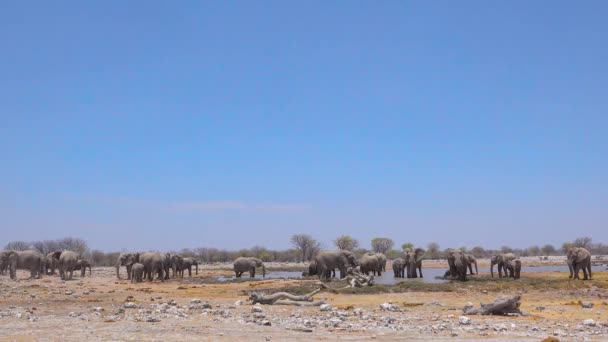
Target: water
[431, 275]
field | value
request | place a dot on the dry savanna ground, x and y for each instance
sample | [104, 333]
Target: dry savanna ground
[202, 308]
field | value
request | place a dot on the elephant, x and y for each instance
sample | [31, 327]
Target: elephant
[312, 270]
[370, 263]
[399, 268]
[514, 268]
[500, 260]
[137, 273]
[579, 258]
[52, 264]
[166, 264]
[4, 264]
[82, 265]
[126, 259]
[187, 264]
[382, 260]
[458, 264]
[248, 264]
[176, 264]
[154, 263]
[29, 260]
[413, 261]
[471, 260]
[67, 263]
[330, 260]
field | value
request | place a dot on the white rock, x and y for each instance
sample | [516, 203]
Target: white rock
[195, 301]
[325, 307]
[389, 307]
[256, 308]
[238, 303]
[589, 322]
[464, 320]
[130, 305]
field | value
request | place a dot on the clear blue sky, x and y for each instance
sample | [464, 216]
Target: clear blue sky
[161, 125]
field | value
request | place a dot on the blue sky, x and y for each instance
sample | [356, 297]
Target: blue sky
[157, 125]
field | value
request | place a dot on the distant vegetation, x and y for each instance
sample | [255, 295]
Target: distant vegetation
[303, 248]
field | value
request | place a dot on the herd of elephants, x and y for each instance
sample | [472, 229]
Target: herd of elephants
[146, 265]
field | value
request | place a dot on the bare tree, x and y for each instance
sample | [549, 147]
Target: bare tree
[346, 242]
[79, 246]
[506, 249]
[18, 246]
[433, 250]
[382, 245]
[306, 245]
[548, 249]
[584, 242]
[565, 247]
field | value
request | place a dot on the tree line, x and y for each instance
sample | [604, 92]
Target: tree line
[303, 248]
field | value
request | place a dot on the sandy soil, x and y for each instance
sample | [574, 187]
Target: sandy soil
[93, 308]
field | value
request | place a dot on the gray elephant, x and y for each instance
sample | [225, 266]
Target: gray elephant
[370, 263]
[312, 270]
[471, 260]
[579, 258]
[329, 260]
[458, 264]
[399, 267]
[137, 273]
[127, 260]
[176, 264]
[4, 264]
[67, 263]
[413, 262]
[29, 260]
[248, 264]
[166, 264]
[382, 260]
[500, 260]
[514, 268]
[154, 263]
[187, 264]
[52, 264]
[82, 265]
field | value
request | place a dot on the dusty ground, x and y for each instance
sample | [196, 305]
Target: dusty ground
[93, 308]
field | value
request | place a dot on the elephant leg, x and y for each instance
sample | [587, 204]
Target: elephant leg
[252, 272]
[129, 271]
[589, 269]
[420, 271]
[190, 272]
[585, 276]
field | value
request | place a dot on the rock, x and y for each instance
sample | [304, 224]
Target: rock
[206, 305]
[587, 305]
[98, 309]
[172, 302]
[195, 301]
[500, 327]
[238, 303]
[464, 320]
[69, 293]
[325, 307]
[589, 322]
[130, 305]
[153, 320]
[267, 338]
[484, 291]
[256, 308]
[559, 332]
[389, 307]
[540, 308]
[266, 323]
[72, 314]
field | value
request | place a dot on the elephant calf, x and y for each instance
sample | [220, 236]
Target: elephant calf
[137, 273]
[514, 268]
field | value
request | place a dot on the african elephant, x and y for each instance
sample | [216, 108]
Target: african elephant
[579, 258]
[248, 264]
[166, 264]
[187, 264]
[126, 259]
[330, 260]
[176, 264]
[4, 264]
[82, 265]
[137, 273]
[514, 268]
[382, 260]
[52, 264]
[413, 261]
[29, 260]
[458, 264]
[500, 260]
[370, 263]
[399, 268]
[471, 260]
[312, 270]
[67, 263]
[154, 263]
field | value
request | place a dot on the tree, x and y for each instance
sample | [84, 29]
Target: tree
[566, 246]
[506, 249]
[534, 250]
[346, 242]
[406, 246]
[382, 245]
[306, 245]
[433, 250]
[392, 254]
[584, 242]
[18, 246]
[548, 249]
[478, 251]
[78, 246]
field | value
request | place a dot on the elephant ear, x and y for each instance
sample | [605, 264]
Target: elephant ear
[56, 254]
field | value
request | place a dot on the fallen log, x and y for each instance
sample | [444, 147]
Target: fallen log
[284, 298]
[501, 306]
